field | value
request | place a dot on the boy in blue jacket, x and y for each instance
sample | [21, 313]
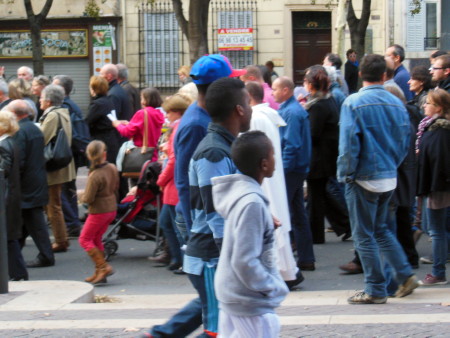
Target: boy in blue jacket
[247, 282]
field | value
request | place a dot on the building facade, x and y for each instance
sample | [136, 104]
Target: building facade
[294, 34]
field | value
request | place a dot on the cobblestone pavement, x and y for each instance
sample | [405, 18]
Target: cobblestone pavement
[425, 313]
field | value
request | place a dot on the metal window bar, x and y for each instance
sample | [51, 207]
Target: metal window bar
[235, 14]
[161, 47]
[431, 43]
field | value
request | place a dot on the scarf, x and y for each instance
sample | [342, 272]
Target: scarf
[313, 99]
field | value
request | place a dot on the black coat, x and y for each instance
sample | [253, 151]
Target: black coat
[434, 160]
[405, 192]
[324, 119]
[351, 77]
[100, 125]
[33, 176]
[121, 101]
[9, 162]
[133, 94]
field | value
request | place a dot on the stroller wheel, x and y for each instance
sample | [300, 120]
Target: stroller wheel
[110, 248]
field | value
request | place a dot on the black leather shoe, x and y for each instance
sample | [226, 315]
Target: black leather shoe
[179, 271]
[306, 266]
[17, 279]
[38, 263]
[292, 283]
[174, 266]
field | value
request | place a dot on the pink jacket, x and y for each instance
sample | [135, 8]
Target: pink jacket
[268, 97]
[166, 179]
[135, 128]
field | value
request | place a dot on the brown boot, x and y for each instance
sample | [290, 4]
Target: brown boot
[103, 269]
[91, 278]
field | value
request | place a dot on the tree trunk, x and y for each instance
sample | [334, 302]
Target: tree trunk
[36, 22]
[196, 29]
[358, 27]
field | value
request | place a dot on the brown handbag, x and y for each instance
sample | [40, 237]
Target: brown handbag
[135, 157]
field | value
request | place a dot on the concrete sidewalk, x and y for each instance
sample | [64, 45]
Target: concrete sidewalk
[66, 309]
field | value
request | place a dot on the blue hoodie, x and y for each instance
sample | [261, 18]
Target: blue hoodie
[247, 281]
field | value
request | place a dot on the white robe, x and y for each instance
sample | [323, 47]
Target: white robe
[268, 121]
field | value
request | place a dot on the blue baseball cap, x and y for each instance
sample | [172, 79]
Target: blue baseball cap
[211, 67]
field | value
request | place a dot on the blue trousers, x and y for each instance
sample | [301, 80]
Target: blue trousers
[368, 213]
[167, 223]
[183, 323]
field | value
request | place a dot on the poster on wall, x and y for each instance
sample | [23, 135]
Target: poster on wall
[55, 43]
[235, 38]
[103, 43]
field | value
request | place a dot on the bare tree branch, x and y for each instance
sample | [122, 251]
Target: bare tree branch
[178, 9]
[351, 16]
[365, 15]
[29, 9]
[44, 12]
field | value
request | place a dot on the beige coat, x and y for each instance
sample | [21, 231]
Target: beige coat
[49, 126]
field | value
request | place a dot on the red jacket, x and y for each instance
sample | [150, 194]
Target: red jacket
[135, 128]
[166, 179]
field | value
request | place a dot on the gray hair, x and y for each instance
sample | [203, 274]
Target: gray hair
[331, 71]
[122, 71]
[4, 87]
[399, 51]
[28, 70]
[66, 82]
[54, 94]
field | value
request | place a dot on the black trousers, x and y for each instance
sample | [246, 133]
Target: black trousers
[326, 199]
[16, 264]
[36, 226]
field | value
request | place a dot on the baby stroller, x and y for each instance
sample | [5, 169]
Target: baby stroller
[134, 220]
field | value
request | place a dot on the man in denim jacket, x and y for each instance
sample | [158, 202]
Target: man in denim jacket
[373, 141]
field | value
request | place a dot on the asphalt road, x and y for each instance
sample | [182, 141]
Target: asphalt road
[135, 274]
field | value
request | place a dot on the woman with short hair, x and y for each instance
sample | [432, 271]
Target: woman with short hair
[420, 84]
[37, 85]
[53, 117]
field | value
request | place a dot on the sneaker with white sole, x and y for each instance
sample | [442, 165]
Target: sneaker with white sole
[430, 280]
[363, 298]
[407, 287]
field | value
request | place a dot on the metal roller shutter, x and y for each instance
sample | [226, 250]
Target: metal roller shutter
[77, 69]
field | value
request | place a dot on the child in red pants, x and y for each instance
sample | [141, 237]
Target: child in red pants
[100, 195]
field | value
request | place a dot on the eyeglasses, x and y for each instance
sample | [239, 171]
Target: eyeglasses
[436, 68]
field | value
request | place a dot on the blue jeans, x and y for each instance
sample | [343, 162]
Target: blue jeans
[437, 227]
[167, 223]
[183, 323]
[299, 219]
[368, 215]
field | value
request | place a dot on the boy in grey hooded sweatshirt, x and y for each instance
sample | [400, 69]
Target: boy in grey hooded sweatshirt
[247, 282]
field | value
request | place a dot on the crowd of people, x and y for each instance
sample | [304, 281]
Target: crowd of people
[366, 150]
